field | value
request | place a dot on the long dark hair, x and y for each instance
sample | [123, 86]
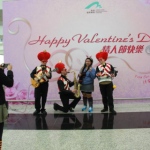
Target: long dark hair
[91, 60]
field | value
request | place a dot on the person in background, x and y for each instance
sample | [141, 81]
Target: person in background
[5, 80]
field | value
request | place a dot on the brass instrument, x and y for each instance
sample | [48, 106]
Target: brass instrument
[76, 85]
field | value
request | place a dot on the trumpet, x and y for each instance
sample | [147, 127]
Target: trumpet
[76, 85]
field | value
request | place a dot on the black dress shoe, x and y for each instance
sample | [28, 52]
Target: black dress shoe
[71, 109]
[113, 111]
[43, 112]
[104, 110]
[36, 112]
[55, 106]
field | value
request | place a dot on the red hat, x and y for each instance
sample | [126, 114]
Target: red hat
[59, 67]
[44, 56]
[103, 55]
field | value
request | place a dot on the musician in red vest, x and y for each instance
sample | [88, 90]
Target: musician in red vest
[44, 73]
[65, 92]
[105, 73]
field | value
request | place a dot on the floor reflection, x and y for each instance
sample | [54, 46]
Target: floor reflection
[82, 121]
[40, 122]
[87, 121]
[108, 121]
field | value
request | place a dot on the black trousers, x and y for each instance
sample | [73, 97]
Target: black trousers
[108, 121]
[65, 101]
[41, 92]
[107, 95]
[1, 130]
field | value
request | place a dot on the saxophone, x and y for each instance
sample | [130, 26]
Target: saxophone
[76, 85]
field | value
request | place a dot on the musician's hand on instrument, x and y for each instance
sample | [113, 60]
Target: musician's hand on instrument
[47, 74]
[79, 75]
[74, 91]
[99, 74]
[36, 79]
[112, 75]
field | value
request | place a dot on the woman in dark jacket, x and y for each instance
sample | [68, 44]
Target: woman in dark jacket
[4, 81]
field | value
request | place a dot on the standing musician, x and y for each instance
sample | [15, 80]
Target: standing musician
[105, 72]
[64, 85]
[41, 74]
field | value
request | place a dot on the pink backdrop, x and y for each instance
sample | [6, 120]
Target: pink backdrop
[71, 30]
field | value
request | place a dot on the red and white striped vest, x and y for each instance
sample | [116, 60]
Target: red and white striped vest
[39, 71]
[66, 84]
[105, 71]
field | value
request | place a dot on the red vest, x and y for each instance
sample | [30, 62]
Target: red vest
[39, 71]
[105, 70]
[66, 84]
